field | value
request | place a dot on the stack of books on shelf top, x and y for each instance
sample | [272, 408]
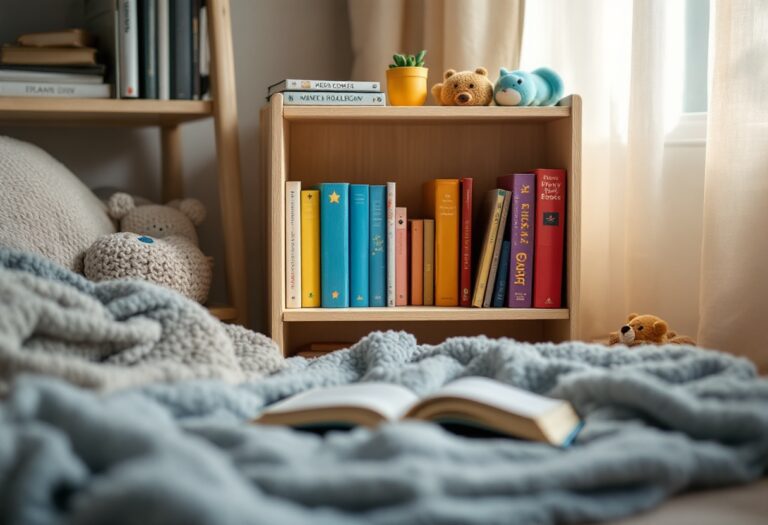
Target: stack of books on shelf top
[328, 93]
[52, 64]
[153, 49]
[350, 245]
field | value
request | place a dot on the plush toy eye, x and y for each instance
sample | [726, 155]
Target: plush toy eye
[519, 80]
[145, 239]
[639, 328]
[471, 86]
[455, 86]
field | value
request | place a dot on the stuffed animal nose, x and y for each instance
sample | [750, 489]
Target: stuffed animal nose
[625, 329]
[464, 97]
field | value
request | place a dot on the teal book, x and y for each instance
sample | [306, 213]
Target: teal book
[377, 247]
[358, 244]
[502, 276]
[334, 244]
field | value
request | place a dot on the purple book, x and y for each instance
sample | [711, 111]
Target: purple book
[521, 256]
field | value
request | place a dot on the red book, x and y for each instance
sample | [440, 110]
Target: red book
[465, 253]
[548, 241]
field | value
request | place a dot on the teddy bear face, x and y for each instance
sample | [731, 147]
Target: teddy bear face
[159, 222]
[465, 88]
[642, 329]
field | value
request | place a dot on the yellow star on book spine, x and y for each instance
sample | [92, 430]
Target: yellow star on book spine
[334, 197]
[335, 294]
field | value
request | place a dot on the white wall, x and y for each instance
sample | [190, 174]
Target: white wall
[273, 39]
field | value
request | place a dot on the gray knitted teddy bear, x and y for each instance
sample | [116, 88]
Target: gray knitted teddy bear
[156, 243]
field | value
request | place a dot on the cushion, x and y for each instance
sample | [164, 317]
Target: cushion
[44, 208]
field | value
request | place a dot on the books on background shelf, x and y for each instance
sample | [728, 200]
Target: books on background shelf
[298, 92]
[152, 49]
[465, 405]
[52, 64]
[357, 248]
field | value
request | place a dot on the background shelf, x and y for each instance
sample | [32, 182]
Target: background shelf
[423, 313]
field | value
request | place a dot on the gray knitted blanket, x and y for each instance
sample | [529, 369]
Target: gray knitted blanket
[115, 334]
[658, 420]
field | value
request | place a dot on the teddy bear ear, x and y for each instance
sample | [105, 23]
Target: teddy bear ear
[482, 71]
[449, 73]
[631, 316]
[660, 327]
[119, 205]
[193, 209]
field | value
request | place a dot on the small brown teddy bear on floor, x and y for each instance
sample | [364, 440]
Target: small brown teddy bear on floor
[465, 88]
[647, 330]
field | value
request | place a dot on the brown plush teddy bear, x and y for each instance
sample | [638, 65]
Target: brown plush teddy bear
[647, 330]
[465, 88]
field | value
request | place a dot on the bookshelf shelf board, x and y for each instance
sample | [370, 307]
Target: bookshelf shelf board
[79, 111]
[423, 313]
[425, 113]
[223, 313]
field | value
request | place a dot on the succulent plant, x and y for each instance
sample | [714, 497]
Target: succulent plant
[416, 60]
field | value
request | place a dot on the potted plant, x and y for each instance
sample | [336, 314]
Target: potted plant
[407, 80]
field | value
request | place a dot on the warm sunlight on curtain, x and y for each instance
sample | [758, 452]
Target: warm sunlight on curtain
[734, 279]
[624, 58]
[458, 34]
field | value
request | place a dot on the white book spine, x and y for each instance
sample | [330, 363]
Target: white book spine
[313, 98]
[48, 89]
[293, 244]
[391, 203]
[129, 49]
[293, 84]
[163, 51]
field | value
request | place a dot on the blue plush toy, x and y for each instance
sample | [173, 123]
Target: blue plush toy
[541, 87]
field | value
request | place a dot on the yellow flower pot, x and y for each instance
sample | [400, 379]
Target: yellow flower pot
[407, 86]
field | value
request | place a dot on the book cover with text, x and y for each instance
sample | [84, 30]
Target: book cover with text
[334, 244]
[465, 279]
[401, 257]
[442, 201]
[310, 248]
[521, 256]
[293, 244]
[377, 246]
[549, 238]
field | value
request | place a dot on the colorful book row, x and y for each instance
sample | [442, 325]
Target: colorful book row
[349, 245]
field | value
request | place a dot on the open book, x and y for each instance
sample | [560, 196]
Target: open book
[474, 402]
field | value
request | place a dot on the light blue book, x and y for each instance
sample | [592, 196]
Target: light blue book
[377, 247]
[358, 245]
[502, 275]
[334, 244]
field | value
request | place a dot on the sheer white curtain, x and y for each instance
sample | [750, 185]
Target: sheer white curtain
[458, 34]
[734, 278]
[624, 59]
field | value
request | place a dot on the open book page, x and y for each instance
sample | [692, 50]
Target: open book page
[499, 395]
[391, 401]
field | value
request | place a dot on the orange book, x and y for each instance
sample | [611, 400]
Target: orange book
[441, 203]
[401, 257]
[417, 262]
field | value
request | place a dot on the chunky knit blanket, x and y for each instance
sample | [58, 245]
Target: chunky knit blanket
[658, 420]
[117, 333]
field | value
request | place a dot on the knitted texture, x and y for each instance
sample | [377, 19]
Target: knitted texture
[44, 208]
[658, 420]
[174, 262]
[115, 334]
[178, 217]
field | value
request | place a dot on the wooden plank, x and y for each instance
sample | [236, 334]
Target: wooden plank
[223, 313]
[484, 113]
[276, 153]
[73, 111]
[173, 182]
[228, 153]
[422, 313]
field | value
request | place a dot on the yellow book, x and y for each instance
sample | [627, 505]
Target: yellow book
[310, 248]
[494, 204]
[441, 203]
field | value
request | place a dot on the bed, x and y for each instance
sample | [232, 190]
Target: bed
[125, 403]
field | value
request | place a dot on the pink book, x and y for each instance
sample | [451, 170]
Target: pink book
[401, 257]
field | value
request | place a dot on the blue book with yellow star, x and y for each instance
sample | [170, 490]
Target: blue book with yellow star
[377, 247]
[359, 196]
[334, 244]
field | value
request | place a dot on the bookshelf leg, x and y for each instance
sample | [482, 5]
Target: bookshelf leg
[173, 184]
[228, 152]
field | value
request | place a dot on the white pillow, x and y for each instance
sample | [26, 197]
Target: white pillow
[44, 208]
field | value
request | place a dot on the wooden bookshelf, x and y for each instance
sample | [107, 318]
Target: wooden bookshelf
[168, 115]
[410, 145]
